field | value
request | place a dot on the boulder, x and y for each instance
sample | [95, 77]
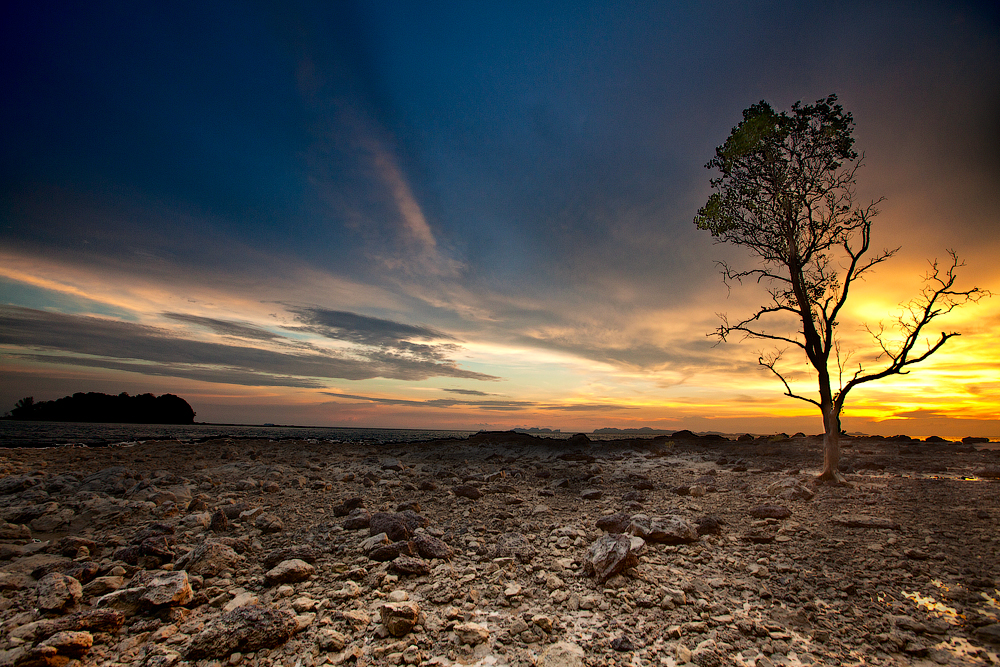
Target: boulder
[664, 530]
[399, 617]
[472, 633]
[304, 552]
[466, 491]
[209, 559]
[429, 546]
[57, 592]
[409, 565]
[562, 654]
[614, 523]
[289, 571]
[611, 554]
[269, 523]
[248, 628]
[770, 512]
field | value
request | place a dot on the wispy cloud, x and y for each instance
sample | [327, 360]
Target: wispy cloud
[224, 327]
[83, 338]
[503, 406]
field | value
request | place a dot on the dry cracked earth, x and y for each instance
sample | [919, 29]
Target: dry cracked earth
[502, 549]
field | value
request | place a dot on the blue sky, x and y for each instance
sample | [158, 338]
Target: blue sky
[462, 214]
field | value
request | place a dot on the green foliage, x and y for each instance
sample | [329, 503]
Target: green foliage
[781, 188]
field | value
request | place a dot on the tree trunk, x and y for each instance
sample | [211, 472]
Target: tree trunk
[831, 446]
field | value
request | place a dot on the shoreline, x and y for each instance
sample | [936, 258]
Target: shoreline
[498, 565]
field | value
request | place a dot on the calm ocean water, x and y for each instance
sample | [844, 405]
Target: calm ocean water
[52, 434]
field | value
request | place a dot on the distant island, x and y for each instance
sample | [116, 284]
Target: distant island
[105, 408]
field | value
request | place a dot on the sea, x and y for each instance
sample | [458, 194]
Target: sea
[55, 434]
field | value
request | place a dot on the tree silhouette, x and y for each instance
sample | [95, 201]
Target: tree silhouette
[95, 407]
[786, 191]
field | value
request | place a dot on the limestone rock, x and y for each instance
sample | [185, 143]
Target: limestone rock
[269, 523]
[70, 642]
[770, 512]
[304, 552]
[289, 571]
[611, 554]
[467, 491]
[399, 617]
[614, 523]
[244, 629]
[664, 530]
[209, 559]
[57, 592]
[562, 654]
[429, 546]
[472, 633]
[409, 565]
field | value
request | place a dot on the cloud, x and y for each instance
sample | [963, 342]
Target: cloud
[504, 406]
[468, 392]
[89, 337]
[188, 371]
[224, 327]
[341, 325]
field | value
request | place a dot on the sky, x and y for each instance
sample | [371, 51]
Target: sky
[470, 215]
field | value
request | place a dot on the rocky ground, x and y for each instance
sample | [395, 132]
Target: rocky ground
[503, 549]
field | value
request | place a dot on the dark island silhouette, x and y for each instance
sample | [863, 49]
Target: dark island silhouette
[105, 408]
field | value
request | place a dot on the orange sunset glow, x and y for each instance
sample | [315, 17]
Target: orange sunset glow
[477, 221]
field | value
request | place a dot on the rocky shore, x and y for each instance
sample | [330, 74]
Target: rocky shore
[502, 549]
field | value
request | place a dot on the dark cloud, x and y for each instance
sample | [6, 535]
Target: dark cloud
[393, 342]
[468, 392]
[189, 372]
[342, 325]
[501, 406]
[224, 327]
[76, 335]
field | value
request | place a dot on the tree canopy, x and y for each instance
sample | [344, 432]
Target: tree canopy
[95, 407]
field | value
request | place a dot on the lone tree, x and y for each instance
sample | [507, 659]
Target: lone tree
[786, 192]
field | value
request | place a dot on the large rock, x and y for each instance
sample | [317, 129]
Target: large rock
[614, 523]
[288, 572]
[97, 620]
[399, 617]
[664, 530]
[562, 654]
[70, 642]
[429, 546]
[244, 629]
[472, 633]
[269, 523]
[150, 590]
[611, 554]
[397, 525]
[57, 592]
[303, 552]
[210, 559]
